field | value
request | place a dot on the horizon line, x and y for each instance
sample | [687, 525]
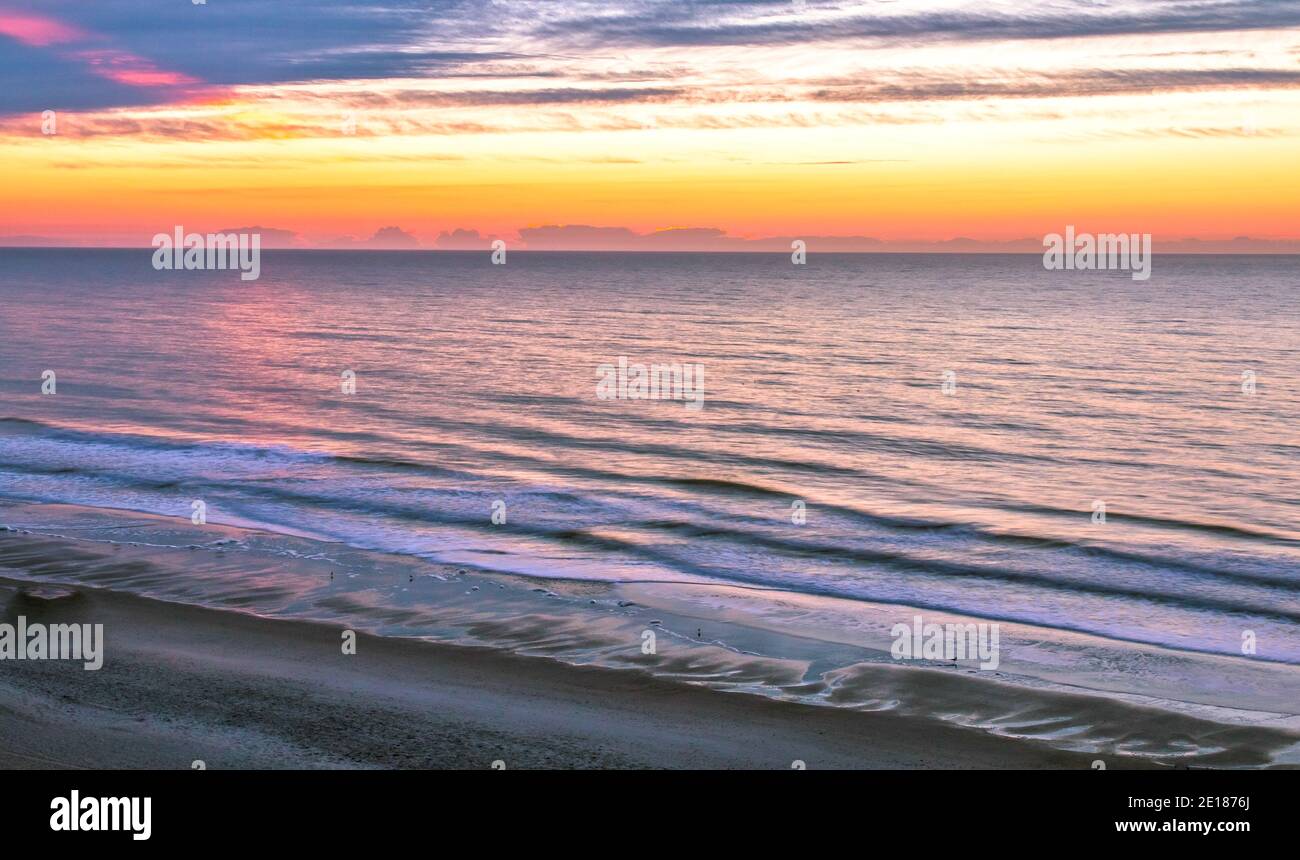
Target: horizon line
[1263, 252]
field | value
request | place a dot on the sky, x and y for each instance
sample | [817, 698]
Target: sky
[628, 124]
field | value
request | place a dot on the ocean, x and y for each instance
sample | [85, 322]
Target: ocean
[1107, 468]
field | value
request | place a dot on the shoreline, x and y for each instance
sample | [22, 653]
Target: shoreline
[236, 691]
[263, 614]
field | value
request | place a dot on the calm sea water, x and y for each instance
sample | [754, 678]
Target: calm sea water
[824, 384]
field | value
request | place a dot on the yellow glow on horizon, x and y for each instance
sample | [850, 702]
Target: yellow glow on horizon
[743, 154]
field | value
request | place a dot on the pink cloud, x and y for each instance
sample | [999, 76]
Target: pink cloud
[131, 70]
[115, 65]
[37, 30]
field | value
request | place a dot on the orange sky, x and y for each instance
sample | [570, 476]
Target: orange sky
[836, 134]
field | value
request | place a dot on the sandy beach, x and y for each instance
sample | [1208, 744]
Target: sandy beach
[230, 652]
[182, 683]
[235, 691]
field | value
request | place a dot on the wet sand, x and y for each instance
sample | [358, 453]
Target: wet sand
[230, 652]
[182, 684]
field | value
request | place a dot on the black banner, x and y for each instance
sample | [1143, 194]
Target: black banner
[335, 809]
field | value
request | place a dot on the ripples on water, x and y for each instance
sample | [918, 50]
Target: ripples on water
[477, 383]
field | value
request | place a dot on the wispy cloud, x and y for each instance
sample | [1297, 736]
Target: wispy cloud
[78, 55]
[220, 44]
[920, 85]
[666, 23]
[36, 30]
[898, 118]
